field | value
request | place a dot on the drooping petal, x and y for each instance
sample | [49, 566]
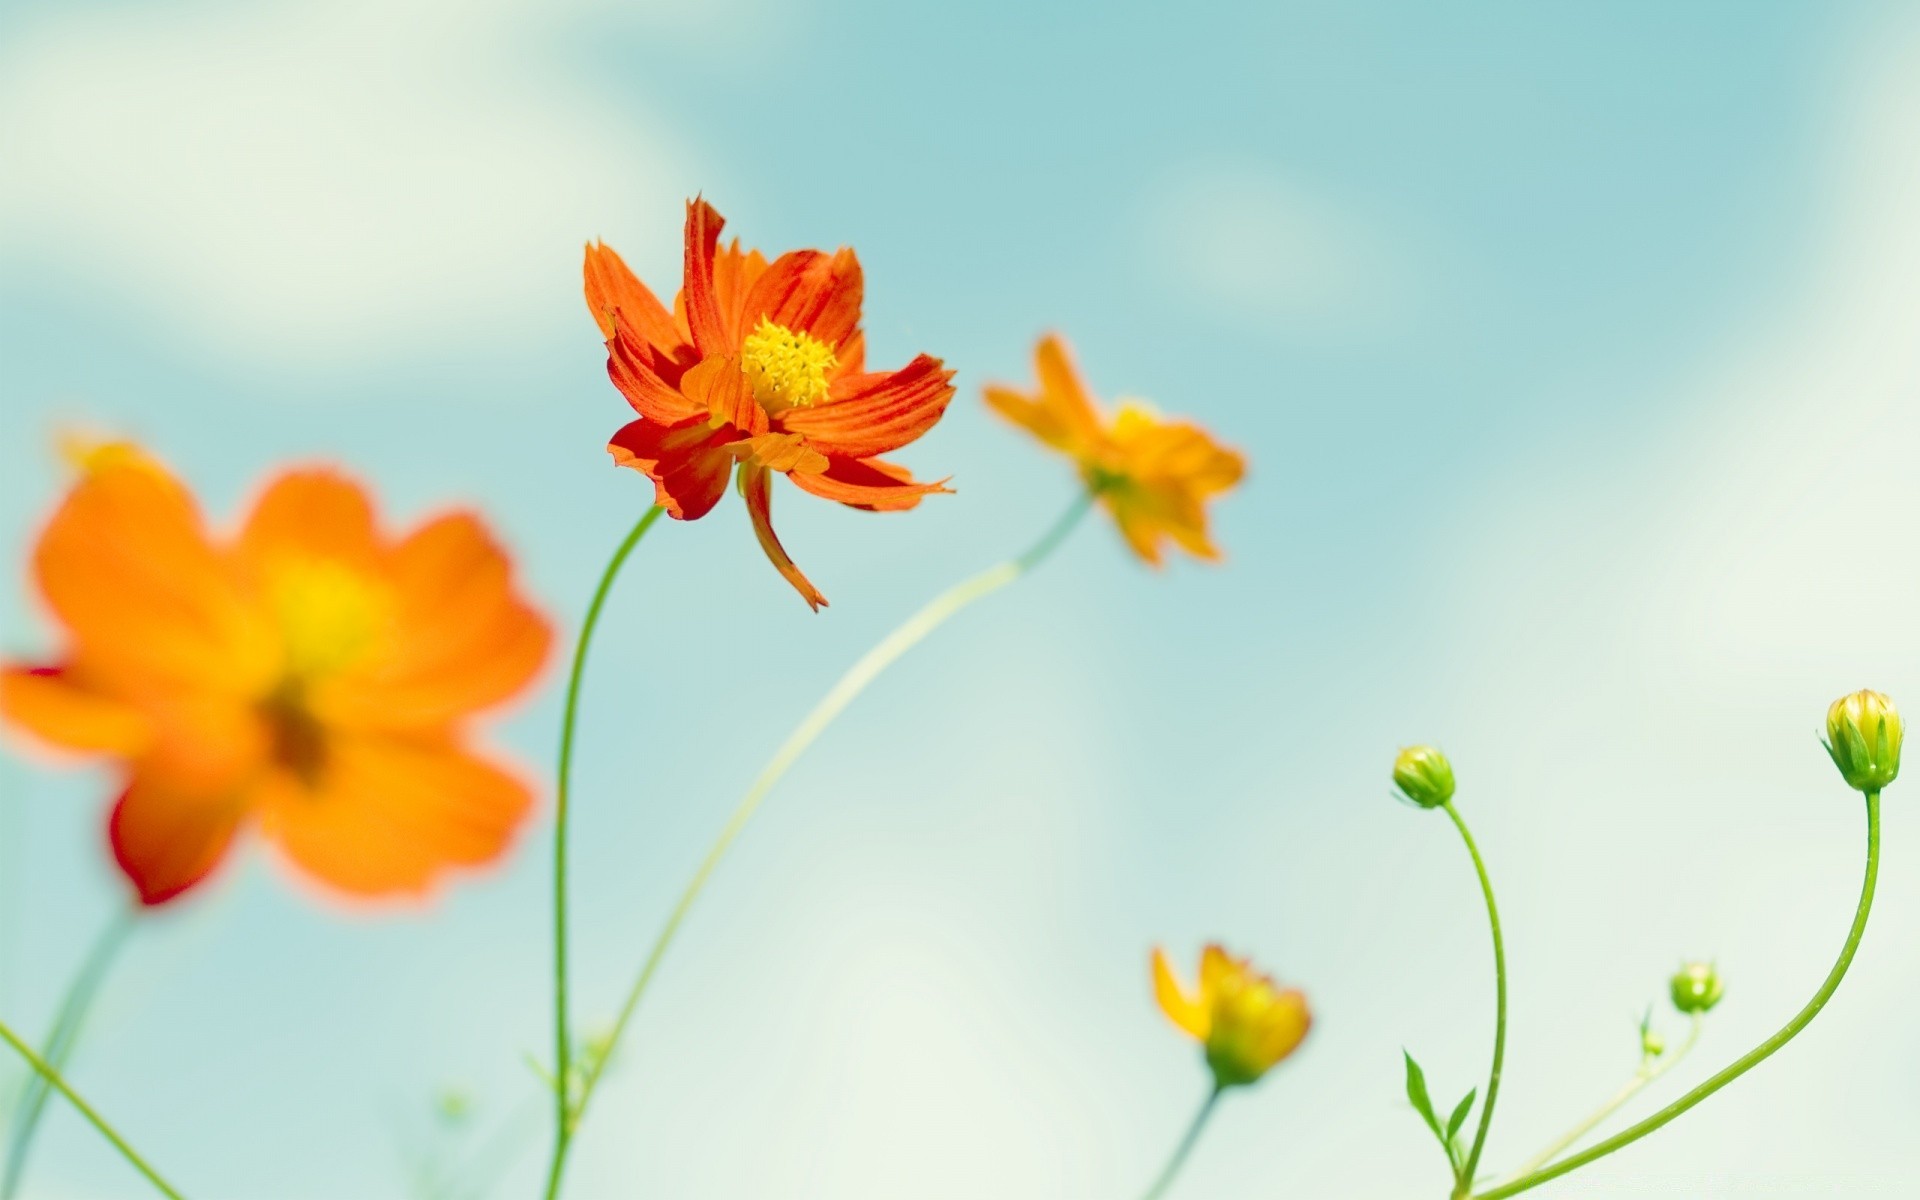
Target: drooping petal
[756, 490]
[784, 452]
[1188, 1013]
[1062, 412]
[464, 640]
[811, 292]
[167, 838]
[689, 463]
[614, 290]
[57, 707]
[127, 567]
[718, 390]
[876, 414]
[636, 372]
[697, 288]
[388, 815]
[869, 483]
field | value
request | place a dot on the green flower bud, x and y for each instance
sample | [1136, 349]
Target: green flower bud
[1697, 988]
[1863, 738]
[1424, 776]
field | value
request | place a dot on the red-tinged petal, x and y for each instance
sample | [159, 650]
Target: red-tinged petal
[57, 706]
[756, 490]
[783, 452]
[390, 815]
[718, 390]
[613, 289]
[167, 838]
[696, 290]
[869, 483]
[813, 293]
[876, 414]
[636, 371]
[689, 462]
[734, 273]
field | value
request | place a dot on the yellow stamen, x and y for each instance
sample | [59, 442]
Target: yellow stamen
[786, 369]
[328, 615]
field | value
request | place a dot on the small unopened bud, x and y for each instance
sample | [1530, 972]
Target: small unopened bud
[1652, 1044]
[1424, 776]
[1697, 988]
[1863, 738]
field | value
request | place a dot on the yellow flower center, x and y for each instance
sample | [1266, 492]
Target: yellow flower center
[785, 369]
[327, 613]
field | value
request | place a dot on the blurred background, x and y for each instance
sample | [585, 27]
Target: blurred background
[1574, 349]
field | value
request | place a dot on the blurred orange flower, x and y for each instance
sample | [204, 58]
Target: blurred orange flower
[310, 675]
[1153, 474]
[760, 364]
[1245, 1021]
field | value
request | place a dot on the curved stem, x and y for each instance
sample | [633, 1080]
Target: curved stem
[1465, 1181]
[86, 1110]
[60, 1043]
[1648, 1072]
[1745, 1062]
[1185, 1147]
[563, 1119]
[909, 634]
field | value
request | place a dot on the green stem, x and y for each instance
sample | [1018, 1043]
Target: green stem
[1648, 1072]
[59, 1045]
[86, 1110]
[1745, 1062]
[1185, 1147]
[1464, 1182]
[564, 1112]
[855, 681]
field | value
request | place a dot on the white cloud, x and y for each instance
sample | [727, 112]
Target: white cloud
[1249, 240]
[303, 183]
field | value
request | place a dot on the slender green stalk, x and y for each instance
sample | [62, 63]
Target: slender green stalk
[563, 1117]
[1185, 1147]
[59, 1045]
[855, 681]
[1464, 1184]
[1745, 1062]
[1648, 1072]
[86, 1110]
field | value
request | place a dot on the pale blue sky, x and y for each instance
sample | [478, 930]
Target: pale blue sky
[1572, 349]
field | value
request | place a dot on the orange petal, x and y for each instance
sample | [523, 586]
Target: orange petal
[784, 452]
[696, 289]
[168, 835]
[734, 273]
[876, 414]
[126, 565]
[868, 483]
[612, 288]
[718, 389]
[1190, 1014]
[1062, 412]
[390, 815]
[635, 371]
[61, 710]
[464, 639]
[689, 463]
[755, 490]
[313, 513]
[811, 292]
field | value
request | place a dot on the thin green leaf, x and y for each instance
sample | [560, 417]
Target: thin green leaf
[1417, 1096]
[1460, 1112]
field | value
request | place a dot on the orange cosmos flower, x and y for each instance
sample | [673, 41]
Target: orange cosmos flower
[762, 365]
[310, 676]
[1245, 1021]
[1154, 475]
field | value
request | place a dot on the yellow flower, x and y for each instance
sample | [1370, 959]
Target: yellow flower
[1245, 1021]
[1153, 474]
[1863, 738]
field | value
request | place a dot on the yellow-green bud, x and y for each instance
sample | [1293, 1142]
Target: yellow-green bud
[1697, 988]
[1863, 738]
[1424, 776]
[1652, 1044]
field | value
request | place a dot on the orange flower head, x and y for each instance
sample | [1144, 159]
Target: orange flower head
[309, 676]
[1154, 475]
[1245, 1021]
[760, 366]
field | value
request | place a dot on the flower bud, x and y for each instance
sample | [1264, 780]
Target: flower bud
[1424, 776]
[1652, 1044]
[1863, 738]
[1696, 988]
[1244, 1021]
